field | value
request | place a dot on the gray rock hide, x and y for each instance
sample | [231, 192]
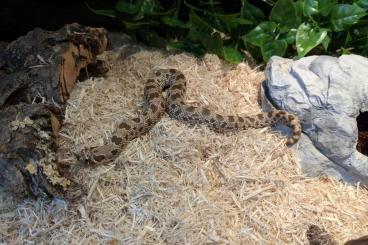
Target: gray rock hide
[327, 94]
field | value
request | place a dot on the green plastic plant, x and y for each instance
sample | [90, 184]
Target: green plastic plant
[293, 28]
[306, 24]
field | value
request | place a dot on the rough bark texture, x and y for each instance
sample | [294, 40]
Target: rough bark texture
[37, 73]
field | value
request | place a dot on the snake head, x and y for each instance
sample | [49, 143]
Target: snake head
[104, 154]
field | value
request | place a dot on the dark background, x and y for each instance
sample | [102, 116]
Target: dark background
[17, 17]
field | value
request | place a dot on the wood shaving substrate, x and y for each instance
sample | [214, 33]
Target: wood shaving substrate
[180, 184]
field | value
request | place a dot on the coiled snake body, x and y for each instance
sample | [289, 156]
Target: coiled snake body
[155, 106]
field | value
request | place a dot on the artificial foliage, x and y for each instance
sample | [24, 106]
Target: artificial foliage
[289, 29]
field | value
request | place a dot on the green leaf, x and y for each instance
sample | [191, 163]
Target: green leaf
[242, 21]
[326, 42]
[145, 7]
[103, 12]
[263, 30]
[347, 39]
[284, 12]
[228, 20]
[271, 47]
[299, 6]
[322, 7]
[232, 55]
[310, 7]
[152, 38]
[141, 8]
[192, 7]
[197, 27]
[213, 43]
[325, 6]
[345, 51]
[177, 45]
[173, 22]
[251, 12]
[343, 15]
[125, 7]
[290, 37]
[362, 3]
[135, 25]
[168, 12]
[210, 2]
[189, 47]
[307, 38]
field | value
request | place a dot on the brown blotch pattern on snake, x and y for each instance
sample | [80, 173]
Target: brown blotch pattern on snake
[175, 106]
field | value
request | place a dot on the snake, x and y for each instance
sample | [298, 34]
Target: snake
[155, 104]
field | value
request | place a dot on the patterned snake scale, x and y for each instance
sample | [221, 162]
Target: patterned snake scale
[155, 106]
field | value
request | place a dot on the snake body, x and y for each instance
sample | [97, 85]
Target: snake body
[155, 105]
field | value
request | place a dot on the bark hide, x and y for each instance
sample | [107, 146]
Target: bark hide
[37, 73]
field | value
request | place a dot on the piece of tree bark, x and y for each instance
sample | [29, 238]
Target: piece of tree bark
[37, 73]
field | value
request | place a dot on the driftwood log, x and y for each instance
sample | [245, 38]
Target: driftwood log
[37, 73]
